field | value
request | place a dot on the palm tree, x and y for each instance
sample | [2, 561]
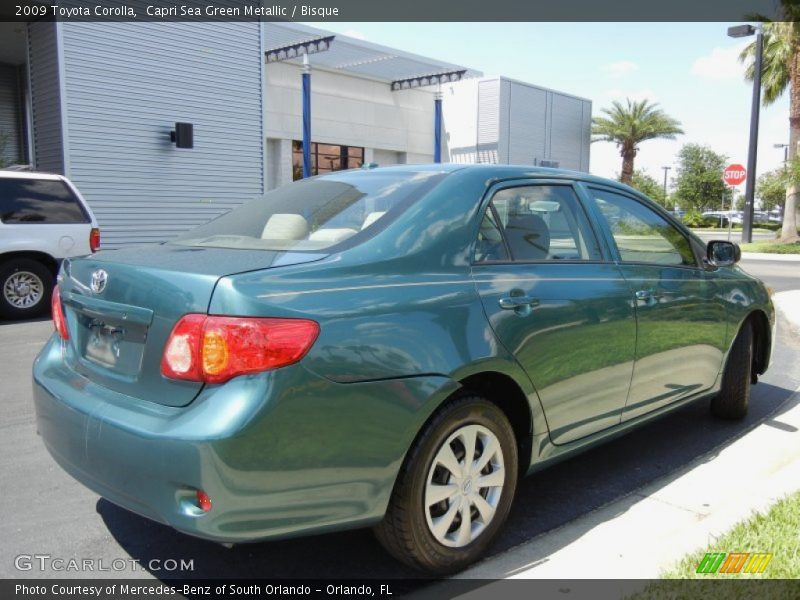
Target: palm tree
[630, 125]
[780, 70]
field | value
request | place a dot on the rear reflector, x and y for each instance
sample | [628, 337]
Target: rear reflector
[57, 310]
[215, 349]
[203, 501]
[94, 239]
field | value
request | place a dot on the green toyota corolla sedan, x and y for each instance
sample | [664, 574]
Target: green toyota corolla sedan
[388, 347]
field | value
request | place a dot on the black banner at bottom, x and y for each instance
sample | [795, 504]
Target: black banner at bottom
[423, 589]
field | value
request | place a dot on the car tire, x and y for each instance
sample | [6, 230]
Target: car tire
[25, 288]
[734, 396]
[408, 528]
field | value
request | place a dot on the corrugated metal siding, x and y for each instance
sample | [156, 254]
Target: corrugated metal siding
[566, 143]
[126, 86]
[519, 123]
[527, 135]
[10, 145]
[586, 135]
[488, 120]
[504, 122]
[48, 148]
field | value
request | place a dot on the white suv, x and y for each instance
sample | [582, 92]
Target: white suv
[43, 220]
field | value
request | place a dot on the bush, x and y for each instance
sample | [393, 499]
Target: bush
[772, 226]
[695, 220]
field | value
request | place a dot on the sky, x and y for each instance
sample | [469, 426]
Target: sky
[690, 69]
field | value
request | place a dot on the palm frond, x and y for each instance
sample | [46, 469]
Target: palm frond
[781, 44]
[629, 124]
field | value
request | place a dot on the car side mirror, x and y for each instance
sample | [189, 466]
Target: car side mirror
[722, 253]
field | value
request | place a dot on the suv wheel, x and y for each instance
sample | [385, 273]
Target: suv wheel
[25, 288]
[454, 490]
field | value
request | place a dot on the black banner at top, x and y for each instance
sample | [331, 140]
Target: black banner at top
[398, 10]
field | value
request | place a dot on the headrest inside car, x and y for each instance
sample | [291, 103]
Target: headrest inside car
[331, 235]
[285, 226]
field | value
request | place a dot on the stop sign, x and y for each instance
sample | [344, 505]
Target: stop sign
[734, 174]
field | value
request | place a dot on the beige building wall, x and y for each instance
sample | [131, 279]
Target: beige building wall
[392, 127]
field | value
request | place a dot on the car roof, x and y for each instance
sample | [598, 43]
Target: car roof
[508, 172]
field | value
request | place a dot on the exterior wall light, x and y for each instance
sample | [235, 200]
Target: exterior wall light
[183, 135]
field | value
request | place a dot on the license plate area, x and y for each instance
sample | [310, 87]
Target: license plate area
[112, 345]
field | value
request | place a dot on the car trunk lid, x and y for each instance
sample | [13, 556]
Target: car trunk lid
[121, 306]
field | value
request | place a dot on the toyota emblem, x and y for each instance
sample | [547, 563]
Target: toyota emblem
[99, 280]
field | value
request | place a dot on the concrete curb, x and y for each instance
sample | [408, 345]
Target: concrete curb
[788, 303]
[646, 532]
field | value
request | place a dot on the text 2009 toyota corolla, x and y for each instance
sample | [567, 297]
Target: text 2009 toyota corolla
[391, 347]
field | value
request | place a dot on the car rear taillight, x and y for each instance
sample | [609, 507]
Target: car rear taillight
[94, 239]
[215, 349]
[57, 309]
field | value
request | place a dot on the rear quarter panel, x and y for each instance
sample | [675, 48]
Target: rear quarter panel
[400, 305]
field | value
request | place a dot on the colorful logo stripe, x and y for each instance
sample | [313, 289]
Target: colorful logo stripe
[734, 562]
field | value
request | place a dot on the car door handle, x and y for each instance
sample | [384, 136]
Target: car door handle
[515, 302]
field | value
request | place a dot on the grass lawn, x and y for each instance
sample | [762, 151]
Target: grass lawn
[738, 228]
[772, 247]
[776, 532]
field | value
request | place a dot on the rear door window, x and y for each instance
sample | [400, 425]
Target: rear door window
[39, 201]
[536, 222]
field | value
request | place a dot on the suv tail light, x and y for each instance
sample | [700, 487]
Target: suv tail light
[94, 239]
[57, 309]
[215, 349]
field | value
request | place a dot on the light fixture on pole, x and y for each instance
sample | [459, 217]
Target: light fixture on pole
[749, 192]
[785, 152]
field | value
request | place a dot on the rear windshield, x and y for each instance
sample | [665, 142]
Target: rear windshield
[48, 201]
[318, 213]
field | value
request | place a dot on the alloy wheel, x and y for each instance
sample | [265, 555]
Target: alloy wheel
[23, 289]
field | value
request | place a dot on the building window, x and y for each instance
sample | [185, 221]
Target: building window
[326, 158]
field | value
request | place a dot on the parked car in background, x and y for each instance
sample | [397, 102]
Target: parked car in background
[391, 347]
[722, 216]
[760, 216]
[43, 220]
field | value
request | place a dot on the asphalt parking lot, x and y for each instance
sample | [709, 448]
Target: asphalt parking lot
[781, 276]
[47, 513]
[736, 236]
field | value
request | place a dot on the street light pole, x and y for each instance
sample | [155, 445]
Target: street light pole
[665, 183]
[750, 187]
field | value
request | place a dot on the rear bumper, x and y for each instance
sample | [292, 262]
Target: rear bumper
[279, 453]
